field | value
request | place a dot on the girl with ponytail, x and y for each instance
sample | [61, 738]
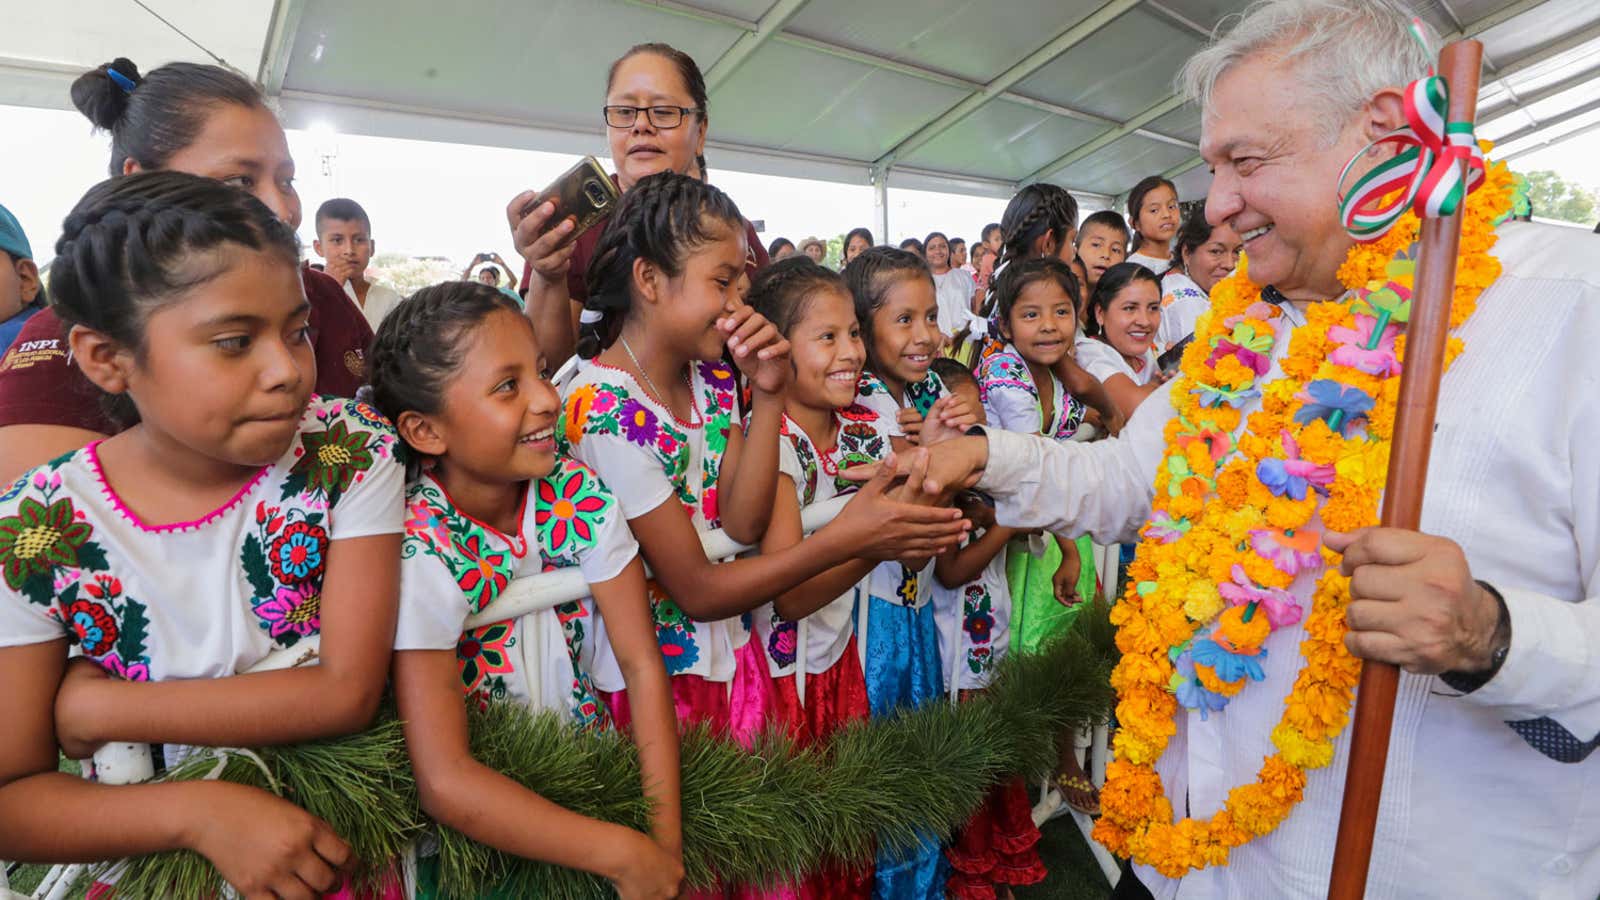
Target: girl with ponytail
[186, 117]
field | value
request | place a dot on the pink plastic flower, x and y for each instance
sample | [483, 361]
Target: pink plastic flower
[1281, 607]
[1291, 551]
[1352, 350]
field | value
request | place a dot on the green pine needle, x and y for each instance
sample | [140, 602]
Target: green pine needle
[761, 815]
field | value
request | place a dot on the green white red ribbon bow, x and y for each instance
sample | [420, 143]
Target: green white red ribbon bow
[1426, 172]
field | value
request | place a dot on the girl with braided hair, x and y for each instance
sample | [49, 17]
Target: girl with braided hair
[186, 117]
[457, 369]
[239, 514]
[655, 411]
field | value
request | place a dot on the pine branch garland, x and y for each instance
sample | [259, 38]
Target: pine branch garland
[756, 816]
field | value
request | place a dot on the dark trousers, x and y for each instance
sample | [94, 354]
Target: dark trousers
[1129, 887]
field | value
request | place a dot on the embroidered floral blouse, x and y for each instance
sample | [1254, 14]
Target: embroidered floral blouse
[973, 626]
[862, 439]
[1011, 399]
[920, 395]
[648, 457]
[203, 599]
[453, 566]
[891, 581]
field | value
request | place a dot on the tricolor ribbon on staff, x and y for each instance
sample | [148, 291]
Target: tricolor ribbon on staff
[1425, 174]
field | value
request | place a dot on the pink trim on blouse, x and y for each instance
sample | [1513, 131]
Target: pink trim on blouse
[112, 498]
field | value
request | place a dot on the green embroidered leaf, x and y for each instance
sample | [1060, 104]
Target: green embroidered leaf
[314, 518]
[255, 568]
[37, 589]
[91, 556]
[69, 596]
[130, 641]
[294, 484]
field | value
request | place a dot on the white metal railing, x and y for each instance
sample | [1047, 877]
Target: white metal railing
[127, 763]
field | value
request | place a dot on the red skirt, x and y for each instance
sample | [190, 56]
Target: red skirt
[833, 698]
[998, 845]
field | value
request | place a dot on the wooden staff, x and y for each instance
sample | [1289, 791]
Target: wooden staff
[1429, 328]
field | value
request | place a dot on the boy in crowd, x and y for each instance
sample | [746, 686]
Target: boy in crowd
[958, 255]
[993, 237]
[344, 241]
[21, 291]
[1102, 243]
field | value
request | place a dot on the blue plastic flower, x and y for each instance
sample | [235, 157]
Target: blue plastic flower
[1340, 404]
[1228, 666]
[1190, 692]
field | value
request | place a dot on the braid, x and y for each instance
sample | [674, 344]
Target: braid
[782, 292]
[1037, 208]
[661, 220]
[134, 243]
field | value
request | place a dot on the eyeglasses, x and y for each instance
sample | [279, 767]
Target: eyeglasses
[663, 117]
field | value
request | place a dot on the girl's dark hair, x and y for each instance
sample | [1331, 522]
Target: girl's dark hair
[783, 291]
[1110, 284]
[953, 371]
[135, 242]
[1191, 236]
[862, 233]
[162, 112]
[1017, 276]
[1136, 200]
[869, 277]
[420, 344]
[913, 242]
[1035, 210]
[665, 216]
[772, 248]
[693, 81]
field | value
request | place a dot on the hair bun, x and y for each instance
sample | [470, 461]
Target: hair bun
[101, 97]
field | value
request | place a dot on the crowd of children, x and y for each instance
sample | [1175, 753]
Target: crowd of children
[189, 491]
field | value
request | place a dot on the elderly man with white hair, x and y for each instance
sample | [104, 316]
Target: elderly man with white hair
[1491, 609]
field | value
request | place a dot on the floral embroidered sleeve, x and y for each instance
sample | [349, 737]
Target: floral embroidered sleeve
[348, 461]
[39, 531]
[433, 608]
[577, 516]
[1009, 399]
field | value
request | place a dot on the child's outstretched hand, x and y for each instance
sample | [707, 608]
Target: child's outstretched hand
[882, 526]
[949, 417]
[650, 873]
[759, 351]
[1065, 580]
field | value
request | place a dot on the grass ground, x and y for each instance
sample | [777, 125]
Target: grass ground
[1074, 874]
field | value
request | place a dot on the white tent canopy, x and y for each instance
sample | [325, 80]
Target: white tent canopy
[968, 96]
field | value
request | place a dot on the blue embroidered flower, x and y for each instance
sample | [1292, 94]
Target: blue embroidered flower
[678, 649]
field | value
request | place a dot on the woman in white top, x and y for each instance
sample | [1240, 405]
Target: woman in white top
[1126, 310]
[1153, 214]
[1202, 255]
[954, 287]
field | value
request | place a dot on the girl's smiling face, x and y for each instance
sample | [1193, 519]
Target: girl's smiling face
[826, 349]
[905, 331]
[1130, 319]
[498, 413]
[1214, 260]
[1043, 323]
[707, 287]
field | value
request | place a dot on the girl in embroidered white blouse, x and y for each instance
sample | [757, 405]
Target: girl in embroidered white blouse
[241, 514]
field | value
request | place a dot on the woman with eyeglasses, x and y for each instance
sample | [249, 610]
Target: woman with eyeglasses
[656, 120]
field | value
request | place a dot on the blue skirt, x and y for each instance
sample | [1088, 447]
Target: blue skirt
[902, 671]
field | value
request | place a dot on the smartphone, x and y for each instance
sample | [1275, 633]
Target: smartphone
[1169, 360]
[584, 192]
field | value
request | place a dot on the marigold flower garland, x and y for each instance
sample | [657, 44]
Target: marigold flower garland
[1236, 519]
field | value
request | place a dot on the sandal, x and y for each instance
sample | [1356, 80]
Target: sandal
[1074, 788]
